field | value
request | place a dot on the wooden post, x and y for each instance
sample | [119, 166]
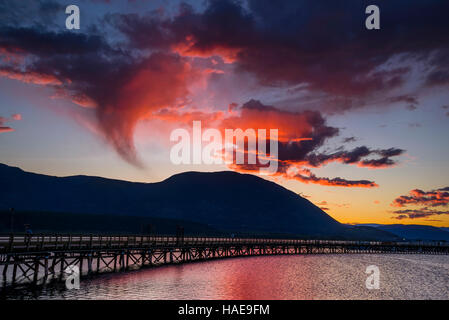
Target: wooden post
[11, 243]
[53, 265]
[62, 260]
[27, 241]
[42, 242]
[14, 271]
[81, 264]
[46, 269]
[142, 254]
[89, 263]
[36, 270]
[5, 269]
[127, 259]
[98, 260]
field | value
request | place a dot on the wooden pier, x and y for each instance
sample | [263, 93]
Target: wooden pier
[38, 259]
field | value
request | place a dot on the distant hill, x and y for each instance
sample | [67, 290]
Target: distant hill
[82, 223]
[226, 201]
[413, 232]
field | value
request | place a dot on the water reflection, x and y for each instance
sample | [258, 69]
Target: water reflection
[271, 277]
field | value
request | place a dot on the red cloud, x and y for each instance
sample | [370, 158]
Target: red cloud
[160, 82]
[30, 77]
[6, 129]
[439, 197]
[290, 125]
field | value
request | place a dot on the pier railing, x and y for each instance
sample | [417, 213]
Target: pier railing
[66, 242]
[39, 257]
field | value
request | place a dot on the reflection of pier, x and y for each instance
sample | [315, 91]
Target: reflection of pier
[41, 258]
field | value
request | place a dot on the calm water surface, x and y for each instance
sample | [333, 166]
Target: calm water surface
[275, 277]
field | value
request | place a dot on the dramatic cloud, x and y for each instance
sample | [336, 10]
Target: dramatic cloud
[301, 135]
[83, 68]
[146, 67]
[322, 46]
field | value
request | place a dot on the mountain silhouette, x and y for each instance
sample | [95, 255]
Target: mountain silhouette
[226, 201]
[415, 232]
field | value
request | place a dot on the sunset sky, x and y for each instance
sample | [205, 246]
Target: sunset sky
[102, 100]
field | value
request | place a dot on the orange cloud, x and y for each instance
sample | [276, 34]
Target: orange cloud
[291, 126]
[439, 197]
[417, 197]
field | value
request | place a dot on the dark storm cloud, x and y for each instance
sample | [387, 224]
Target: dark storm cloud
[323, 44]
[357, 156]
[38, 12]
[33, 40]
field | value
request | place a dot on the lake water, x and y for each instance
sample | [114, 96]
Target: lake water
[272, 277]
